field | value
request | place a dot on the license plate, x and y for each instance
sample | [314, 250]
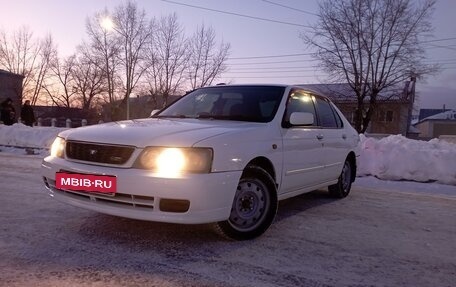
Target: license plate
[86, 182]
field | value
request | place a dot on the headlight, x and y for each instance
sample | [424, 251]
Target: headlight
[58, 147]
[174, 161]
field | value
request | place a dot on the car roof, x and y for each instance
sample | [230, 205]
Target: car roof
[314, 91]
[248, 85]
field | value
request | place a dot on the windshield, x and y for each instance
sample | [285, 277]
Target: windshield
[238, 103]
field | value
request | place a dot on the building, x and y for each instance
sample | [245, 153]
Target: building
[11, 87]
[392, 114]
[443, 123]
[425, 113]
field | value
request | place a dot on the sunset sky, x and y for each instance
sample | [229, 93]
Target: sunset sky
[254, 43]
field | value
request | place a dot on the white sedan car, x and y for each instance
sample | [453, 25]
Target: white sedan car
[224, 154]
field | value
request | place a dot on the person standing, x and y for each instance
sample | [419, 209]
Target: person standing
[27, 114]
[8, 112]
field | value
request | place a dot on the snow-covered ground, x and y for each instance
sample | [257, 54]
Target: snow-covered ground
[393, 158]
[378, 236]
[386, 233]
[15, 138]
[399, 158]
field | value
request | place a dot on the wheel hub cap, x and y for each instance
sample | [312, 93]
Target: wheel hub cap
[248, 206]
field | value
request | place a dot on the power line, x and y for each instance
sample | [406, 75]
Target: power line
[236, 14]
[275, 62]
[274, 77]
[428, 61]
[271, 56]
[274, 68]
[280, 76]
[449, 47]
[292, 76]
[291, 8]
[313, 53]
[439, 40]
[298, 69]
[438, 61]
[268, 72]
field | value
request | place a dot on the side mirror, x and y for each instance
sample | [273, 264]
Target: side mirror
[154, 112]
[301, 119]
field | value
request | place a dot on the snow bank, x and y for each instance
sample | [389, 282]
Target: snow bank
[390, 158]
[398, 158]
[19, 135]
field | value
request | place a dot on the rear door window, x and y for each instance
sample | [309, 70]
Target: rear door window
[326, 116]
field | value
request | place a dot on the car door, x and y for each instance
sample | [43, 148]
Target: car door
[302, 147]
[334, 139]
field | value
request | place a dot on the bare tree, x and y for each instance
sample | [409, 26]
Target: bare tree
[59, 87]
[372, 45]
[134, 32]
[88, 81]
[103, 50]
[207, 61]
[22, 54]
[19, 53]
[167, 58]
[48, 55]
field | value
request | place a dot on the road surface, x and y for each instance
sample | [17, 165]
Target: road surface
[374, 237]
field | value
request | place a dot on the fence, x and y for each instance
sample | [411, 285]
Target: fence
[68, 123]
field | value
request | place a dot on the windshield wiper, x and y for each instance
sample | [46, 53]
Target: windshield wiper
[214, 117]
[173, 116]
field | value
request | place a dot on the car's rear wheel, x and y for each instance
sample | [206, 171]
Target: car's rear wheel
[342, 187]
[254, 206]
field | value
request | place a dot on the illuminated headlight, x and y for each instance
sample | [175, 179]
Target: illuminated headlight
[172, 161]
[58, 147]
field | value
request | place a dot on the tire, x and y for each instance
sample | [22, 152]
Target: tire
[342, 188]
[254, 206]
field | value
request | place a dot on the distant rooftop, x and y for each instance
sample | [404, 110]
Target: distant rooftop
[447, 115]
[9, 73]
[426, 113]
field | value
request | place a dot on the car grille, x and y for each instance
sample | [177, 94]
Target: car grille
[100, 153]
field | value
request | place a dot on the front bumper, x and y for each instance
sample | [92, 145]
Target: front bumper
[142, 195]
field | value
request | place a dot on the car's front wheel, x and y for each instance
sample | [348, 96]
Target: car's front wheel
[254, 206]
[342, 187]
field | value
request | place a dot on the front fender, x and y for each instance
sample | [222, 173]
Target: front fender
[233, 151]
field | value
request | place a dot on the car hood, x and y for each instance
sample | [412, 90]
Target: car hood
[156, 132]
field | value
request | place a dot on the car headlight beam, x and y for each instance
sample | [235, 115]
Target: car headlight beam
[58, 147]
[172, 161]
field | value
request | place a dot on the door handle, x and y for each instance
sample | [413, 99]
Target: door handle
[320, 136]
[344, 136]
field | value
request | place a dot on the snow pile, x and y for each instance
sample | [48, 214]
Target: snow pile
[398, 158]
[19, 135]
[390, 158]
